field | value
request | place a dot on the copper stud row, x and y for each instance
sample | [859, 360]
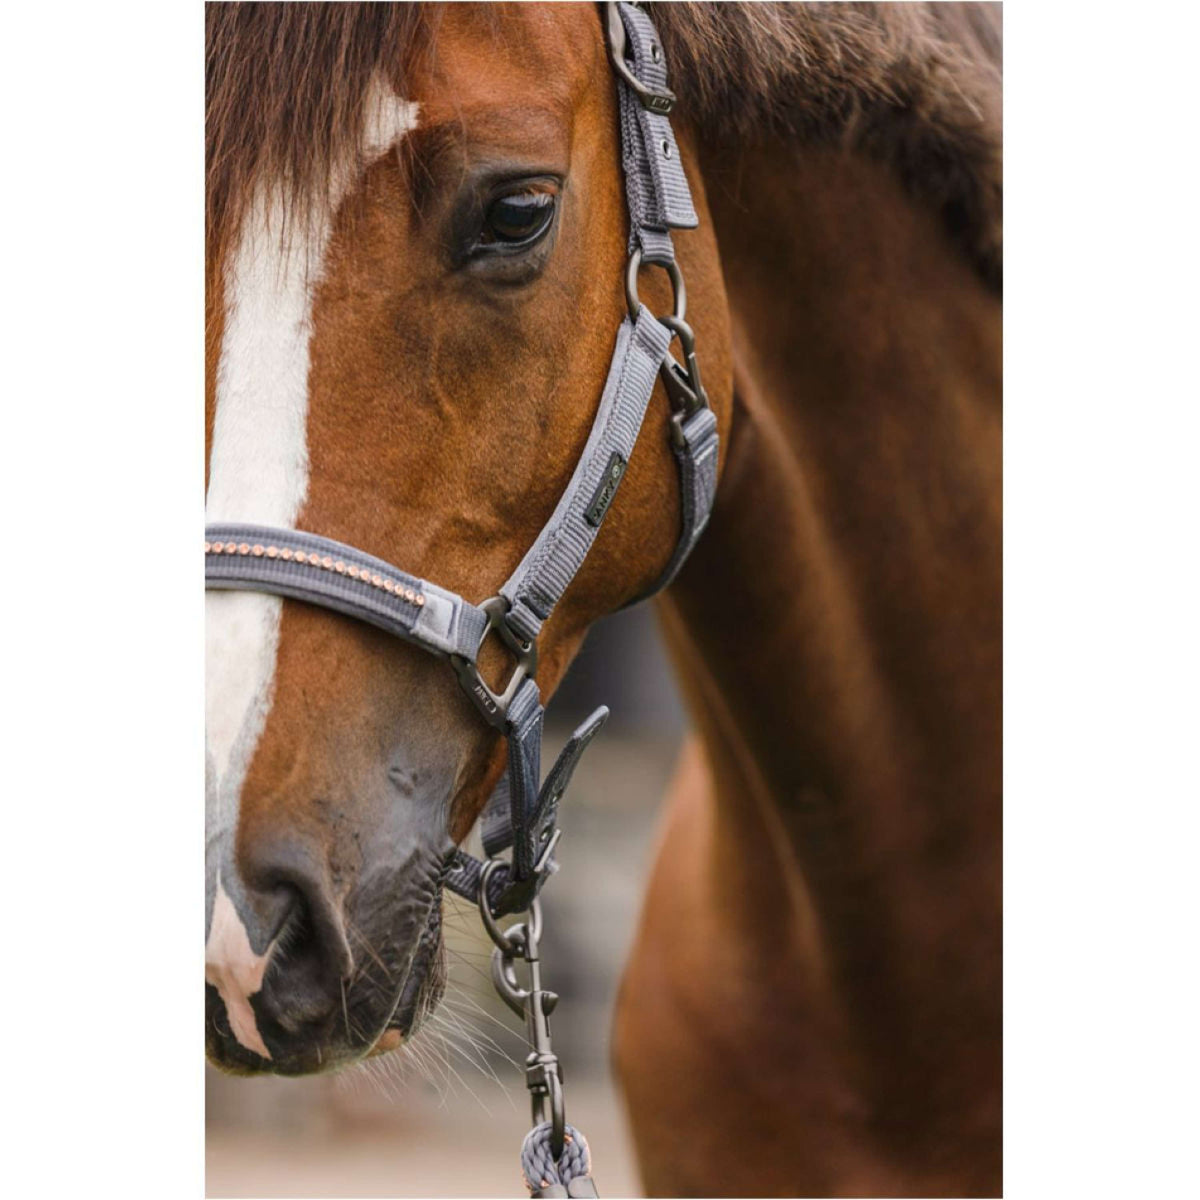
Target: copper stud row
[324, 562]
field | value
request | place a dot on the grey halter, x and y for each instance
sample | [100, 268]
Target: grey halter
[304, 566]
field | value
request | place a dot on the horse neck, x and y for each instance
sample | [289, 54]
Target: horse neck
[837, 631]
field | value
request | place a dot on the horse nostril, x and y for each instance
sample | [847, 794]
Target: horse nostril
[303, 984]
[311, 960]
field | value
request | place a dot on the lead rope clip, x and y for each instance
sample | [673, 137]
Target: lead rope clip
[555, 1159]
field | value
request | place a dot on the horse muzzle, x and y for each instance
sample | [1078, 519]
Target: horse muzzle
[285, 991]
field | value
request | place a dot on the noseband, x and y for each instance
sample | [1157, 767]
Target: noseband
[521, 814]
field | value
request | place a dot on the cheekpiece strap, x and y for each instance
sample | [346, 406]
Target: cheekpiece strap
[550, 564]
[655, 184]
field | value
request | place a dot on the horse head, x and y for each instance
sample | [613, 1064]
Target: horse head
[417, 253]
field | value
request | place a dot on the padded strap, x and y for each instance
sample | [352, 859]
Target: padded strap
[550, 564]
[333, 575]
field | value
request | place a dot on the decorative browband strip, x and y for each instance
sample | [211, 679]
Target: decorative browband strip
[318, 570]
[323, 562]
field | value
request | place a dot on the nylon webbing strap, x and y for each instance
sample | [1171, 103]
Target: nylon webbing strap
[531, 835]
[524, 774]
[465, 874]
[305, 566]
[696, 461]
[655, 185]
[550, 564]
[495, 822]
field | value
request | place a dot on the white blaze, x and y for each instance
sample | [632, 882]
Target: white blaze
[233, 968]
[258, 474]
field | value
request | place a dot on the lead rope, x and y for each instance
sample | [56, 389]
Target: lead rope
[555, 1160]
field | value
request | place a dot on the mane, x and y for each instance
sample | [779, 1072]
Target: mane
[915, 86]
[286, 91]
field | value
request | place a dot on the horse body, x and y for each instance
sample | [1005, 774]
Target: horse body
[819, 955]
[813, 1001]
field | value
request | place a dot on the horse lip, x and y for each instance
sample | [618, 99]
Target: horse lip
[390, 1039]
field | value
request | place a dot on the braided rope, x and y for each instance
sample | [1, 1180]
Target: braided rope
[539, 1167]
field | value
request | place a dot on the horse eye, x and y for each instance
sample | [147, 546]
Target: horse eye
[518, 218]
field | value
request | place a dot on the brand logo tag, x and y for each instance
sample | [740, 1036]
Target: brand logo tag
[605, 490]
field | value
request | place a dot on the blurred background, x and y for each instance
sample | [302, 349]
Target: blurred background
[446, 1117]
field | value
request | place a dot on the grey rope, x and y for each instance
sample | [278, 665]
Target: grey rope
[569, 1175]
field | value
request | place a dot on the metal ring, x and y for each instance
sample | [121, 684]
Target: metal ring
[678, 288]
[501, 937]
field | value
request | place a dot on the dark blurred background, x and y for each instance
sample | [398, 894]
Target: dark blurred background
[446, 1116]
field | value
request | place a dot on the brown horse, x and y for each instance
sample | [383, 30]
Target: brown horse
[416, 241]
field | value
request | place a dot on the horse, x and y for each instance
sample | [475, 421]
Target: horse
[416, 248]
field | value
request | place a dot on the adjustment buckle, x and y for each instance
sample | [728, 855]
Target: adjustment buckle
[493, 706]
[655, 100]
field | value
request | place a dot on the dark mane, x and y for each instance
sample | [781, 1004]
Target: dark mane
[917, 86]
[914, 85]
[286, 86]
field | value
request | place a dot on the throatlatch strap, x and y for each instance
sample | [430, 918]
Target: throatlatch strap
[333, 575]
[550, 564]
[696, 461]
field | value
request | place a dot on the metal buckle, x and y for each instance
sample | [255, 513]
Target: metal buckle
[656, 101]
[493, 706]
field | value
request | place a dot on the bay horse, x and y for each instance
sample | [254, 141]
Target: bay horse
[415, 250]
